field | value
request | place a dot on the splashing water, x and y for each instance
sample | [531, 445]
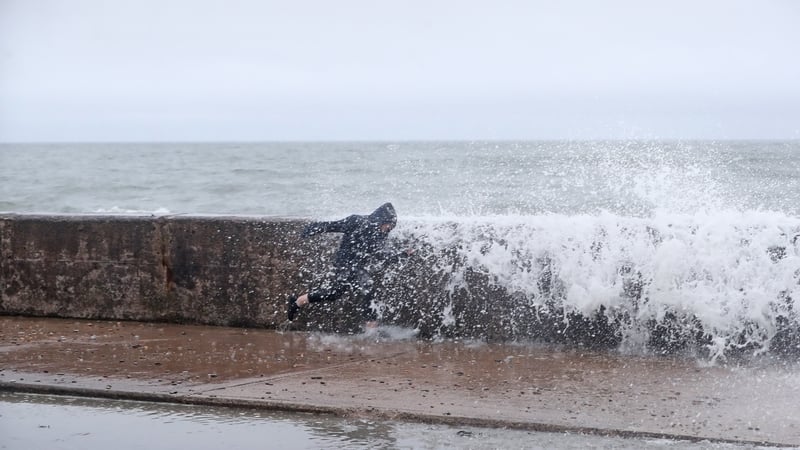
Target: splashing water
[734, 275]
[667, 240]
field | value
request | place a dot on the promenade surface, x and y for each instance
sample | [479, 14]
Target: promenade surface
[391, 375]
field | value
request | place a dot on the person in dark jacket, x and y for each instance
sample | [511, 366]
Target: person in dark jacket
[360, 251]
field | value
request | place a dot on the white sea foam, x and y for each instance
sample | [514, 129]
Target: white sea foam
[118, 210]
[361, 343]
[733, 272]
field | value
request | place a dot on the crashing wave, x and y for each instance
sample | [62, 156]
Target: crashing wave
[719, 282]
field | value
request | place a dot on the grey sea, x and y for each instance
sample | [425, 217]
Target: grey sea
[430, 179]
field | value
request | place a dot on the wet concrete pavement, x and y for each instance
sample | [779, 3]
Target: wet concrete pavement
[466, 383]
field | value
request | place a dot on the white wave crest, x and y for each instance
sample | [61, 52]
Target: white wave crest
[735, 273]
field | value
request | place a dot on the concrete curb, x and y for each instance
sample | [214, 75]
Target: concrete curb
[376, 413]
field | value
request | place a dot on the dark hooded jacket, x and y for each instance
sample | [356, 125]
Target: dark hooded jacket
[362, 239]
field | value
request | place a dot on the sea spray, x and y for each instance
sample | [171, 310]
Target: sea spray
[725, 279]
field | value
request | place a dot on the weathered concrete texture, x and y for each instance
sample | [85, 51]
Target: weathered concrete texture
[221, 271]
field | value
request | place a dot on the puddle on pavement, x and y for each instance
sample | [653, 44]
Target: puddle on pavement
[30, 421]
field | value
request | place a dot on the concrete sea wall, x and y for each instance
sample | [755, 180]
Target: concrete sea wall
[218, 271]
[238, 271]
[206, 270]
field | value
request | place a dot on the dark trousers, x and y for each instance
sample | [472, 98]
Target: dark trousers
[359, 282]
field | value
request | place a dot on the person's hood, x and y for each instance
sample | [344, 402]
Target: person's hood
[384, 214]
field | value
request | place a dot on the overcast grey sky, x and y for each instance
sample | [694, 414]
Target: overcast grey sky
[147, 70]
